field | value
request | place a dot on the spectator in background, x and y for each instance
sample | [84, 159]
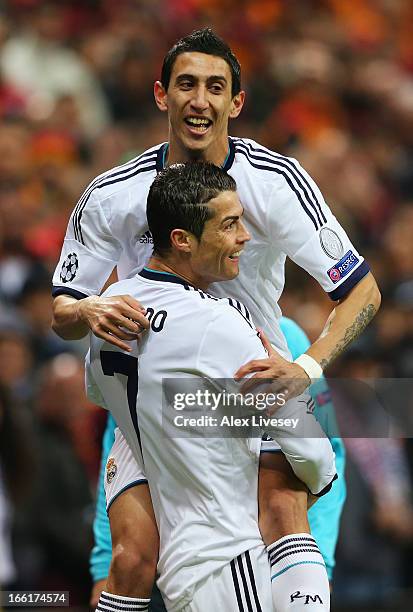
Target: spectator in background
[16, 358]
[377, 522]
[36, 309]
[36, 61]
[15, 457]
[58, 515]
[127, 90]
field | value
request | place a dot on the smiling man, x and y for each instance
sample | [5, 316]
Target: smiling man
[204, 484]
[286, 215]
[200, 126]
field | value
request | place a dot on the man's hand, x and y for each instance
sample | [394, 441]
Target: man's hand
[97, 588]
[289, 378]
[114, 318]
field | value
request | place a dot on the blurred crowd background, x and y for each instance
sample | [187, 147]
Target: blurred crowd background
[329, 82]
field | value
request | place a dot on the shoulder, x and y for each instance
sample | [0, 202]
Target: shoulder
[229, 321]
[220, 306]
[238, 311]
[128, 286]
[229, 340]
[140, 169]
[256, 154]
[270, 165]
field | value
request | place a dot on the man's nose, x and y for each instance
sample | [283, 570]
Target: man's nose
[244, 234]
[200, 99]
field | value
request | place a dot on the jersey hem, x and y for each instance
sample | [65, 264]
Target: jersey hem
[136, 483]
[60, 290]
[326, 489]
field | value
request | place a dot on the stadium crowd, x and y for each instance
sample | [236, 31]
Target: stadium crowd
[328, 82]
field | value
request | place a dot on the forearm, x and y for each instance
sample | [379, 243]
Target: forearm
[67, 322]
[347, 321]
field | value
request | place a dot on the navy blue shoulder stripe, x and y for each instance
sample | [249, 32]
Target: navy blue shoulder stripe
[122, 169]
[237, 305]
[289, 182]
[201, 293]
[286, 168]
[77, 222]
[300, 177]
[295, 170]
[126, 171]
[120, 175]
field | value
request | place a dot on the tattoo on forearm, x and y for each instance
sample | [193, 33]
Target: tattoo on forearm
[362, 320]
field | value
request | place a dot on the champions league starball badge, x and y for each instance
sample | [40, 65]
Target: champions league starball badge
[69, 268]
[331, 243]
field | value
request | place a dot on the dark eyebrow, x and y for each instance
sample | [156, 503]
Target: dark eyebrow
[217, 77]
[231, 217]
[183, 77]
[212, 79]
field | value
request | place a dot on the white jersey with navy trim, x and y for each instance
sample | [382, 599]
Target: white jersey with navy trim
[284, 212]
[204, 489]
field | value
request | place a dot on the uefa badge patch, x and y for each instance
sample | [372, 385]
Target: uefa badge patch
[331, 243]
[69, 268]
[111, 469]
[343, 267]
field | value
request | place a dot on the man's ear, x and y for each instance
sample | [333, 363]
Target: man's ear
[161, 97]
[181, 240]
[237, 104]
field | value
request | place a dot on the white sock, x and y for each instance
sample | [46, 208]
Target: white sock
[299, 580]
[119, 603]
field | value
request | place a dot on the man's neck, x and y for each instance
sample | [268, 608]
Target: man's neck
[216, 154]
[178, 269]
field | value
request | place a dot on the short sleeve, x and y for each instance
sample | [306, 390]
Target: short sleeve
[302, 224]
[89, 252]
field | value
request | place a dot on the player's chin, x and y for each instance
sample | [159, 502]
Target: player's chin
[197, 141]
[232, 271]
[196, 144]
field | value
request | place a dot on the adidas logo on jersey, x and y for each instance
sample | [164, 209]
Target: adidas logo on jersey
[146, 238]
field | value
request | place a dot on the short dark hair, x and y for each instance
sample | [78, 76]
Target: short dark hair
[178, 198]
[202, 41]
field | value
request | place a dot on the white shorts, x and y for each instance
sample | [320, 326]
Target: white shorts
[122, 470]
[243, 584]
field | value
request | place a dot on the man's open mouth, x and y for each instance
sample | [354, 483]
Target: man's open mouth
[199, 124]
[235, 255]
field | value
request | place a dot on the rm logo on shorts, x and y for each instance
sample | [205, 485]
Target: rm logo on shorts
[111, 469]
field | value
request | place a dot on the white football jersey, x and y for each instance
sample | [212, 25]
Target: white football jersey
[204, 489]
[283, 210]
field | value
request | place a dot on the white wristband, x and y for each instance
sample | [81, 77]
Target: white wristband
[310, 365]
